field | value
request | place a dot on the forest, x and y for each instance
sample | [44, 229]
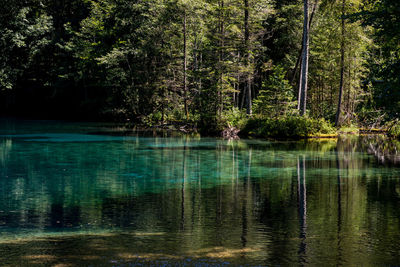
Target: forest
[266, 67]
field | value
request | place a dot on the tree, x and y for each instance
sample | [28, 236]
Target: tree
[304, 66]
[185, 64]
[325, 62]
[184, 60]
[339, 107]
[247, 55]
[276, 96]
[23, 37]
[384, 63]
[301, 50]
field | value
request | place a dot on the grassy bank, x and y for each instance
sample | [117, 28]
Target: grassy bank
[290, 127]
[233, 123]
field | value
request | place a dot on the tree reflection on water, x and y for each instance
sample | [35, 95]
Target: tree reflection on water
[207, 201]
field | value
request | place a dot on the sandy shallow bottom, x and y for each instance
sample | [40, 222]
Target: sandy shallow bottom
[114, 249]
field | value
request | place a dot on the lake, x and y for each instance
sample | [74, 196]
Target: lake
[81, 194]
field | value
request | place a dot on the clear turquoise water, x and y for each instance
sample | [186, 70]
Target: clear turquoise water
[74, 194]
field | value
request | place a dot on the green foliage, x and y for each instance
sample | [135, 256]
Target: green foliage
[124, 60]
[384, 61]
[284, 26]
[177, 114]
[22, 40]
[234, 118]
[276, 96]
[152, 119]
[394, 129]
[325, 61]
[289, 127]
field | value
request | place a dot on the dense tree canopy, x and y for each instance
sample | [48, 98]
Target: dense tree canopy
[172, 60]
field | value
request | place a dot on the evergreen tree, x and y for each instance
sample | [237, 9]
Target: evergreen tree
[276, 96]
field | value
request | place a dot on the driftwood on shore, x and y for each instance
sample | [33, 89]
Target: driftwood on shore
[230, 133]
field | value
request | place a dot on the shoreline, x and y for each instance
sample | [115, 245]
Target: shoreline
[173, 129]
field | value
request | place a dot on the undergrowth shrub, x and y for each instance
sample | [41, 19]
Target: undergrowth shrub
[290, 127]
[234, 118]
[394, 130]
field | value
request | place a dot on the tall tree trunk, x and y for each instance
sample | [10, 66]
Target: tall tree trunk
[304, 65]
[185, 65]
[302, 47]
[237, 94]
[243, 98]
[348, 110]
[221, 56]
[339, 107]
[200, 68]
[247, 53]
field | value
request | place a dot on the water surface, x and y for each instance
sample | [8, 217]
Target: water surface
[71, 194]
